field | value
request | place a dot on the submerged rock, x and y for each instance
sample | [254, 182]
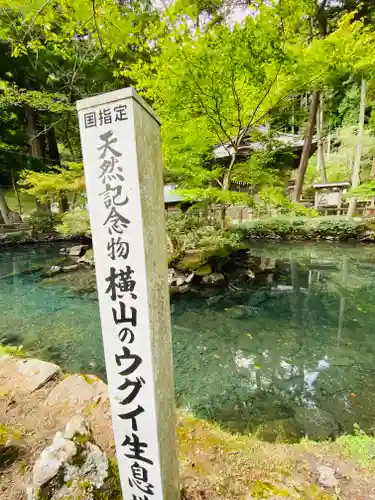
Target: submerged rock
[78, 250]
[73, 466]
[316, 423]
[213, 278]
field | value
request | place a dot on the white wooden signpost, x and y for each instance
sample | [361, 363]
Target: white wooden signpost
[120, 138]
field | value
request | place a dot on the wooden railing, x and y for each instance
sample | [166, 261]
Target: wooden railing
[15, 227]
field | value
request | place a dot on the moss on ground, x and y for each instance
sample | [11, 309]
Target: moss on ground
[9, 350]
[230, 466]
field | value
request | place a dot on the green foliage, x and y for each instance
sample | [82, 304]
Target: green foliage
[212, 84]
[9, 350]
[112, 488]
[339, 161]
[75, 222]
[273, 199]
[49, 186]
[211, 81]
[303, 228]
[359, 447]
[43, 222]
[364, 191]
[190, 231]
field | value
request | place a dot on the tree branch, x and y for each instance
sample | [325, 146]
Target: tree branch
[42, 132]
[96, 25]
[35, 18]
[250, 121]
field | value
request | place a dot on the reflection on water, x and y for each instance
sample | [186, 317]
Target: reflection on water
[286, 347]
[289, 352]
[51, 321]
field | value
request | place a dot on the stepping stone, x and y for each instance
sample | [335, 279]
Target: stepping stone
[76, 391]
[25, 375]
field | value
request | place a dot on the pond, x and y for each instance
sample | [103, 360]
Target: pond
[285, 347]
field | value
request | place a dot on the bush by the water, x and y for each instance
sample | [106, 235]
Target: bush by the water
[190, 231]
[304, 228]
[44, 222]
[75, 222]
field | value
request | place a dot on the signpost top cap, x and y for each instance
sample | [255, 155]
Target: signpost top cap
[115, 95]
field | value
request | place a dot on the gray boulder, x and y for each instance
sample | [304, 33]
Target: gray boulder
[78, 250]
[25, 375]
[178, 280]
[213, 278]
[73, 466]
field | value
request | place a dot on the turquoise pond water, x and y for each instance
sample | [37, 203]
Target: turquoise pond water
[286, 346]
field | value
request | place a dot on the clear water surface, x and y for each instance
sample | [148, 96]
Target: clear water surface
[285, 347]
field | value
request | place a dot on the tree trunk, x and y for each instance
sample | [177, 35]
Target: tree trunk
[4, 209]
[16, 193]
[306, 147]
[63, 203]
[35, 145]
[319, 132]
[329, 144]
[53, 147]
[226, 186]
[53, 150]
[358, 152]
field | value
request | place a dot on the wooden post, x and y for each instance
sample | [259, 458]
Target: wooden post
[319, 132]
[304, 160]
[120, 137]
[358, 152]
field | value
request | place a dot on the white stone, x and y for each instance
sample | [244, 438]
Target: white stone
[51, 459]
[133, 132]
[55, 269]
[171, 277]
[327, 477]
[189, 278]
[76, 426]
[61, 475]
[67, 269]
[95, 467]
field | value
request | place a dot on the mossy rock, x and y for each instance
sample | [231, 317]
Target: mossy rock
[204, 270]
[192, 261]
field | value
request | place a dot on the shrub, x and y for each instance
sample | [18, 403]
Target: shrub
[44, 222]
[303, 227]
[75, 222]
[190, 231]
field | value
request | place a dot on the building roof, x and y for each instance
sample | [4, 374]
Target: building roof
[248, 144]
[327, 185]
[170, 196]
